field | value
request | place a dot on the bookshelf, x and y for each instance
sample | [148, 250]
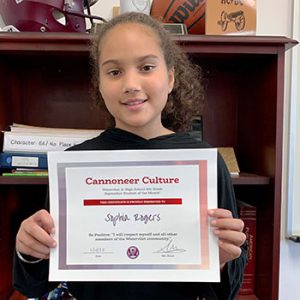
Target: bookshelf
[44, 81]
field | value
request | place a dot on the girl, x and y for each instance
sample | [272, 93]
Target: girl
[151, 90]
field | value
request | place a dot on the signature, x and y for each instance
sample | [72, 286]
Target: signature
[170, 248]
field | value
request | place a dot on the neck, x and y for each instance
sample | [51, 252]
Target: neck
[148, 134]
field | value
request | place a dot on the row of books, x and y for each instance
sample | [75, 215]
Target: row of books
[28, 159]
[25, 147]
[248, 213]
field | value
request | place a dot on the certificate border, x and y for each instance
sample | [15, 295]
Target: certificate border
[203, 205]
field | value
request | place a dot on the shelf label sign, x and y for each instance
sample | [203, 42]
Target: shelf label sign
[230, 17]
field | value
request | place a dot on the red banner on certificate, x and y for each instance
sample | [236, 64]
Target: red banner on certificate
[154, 201]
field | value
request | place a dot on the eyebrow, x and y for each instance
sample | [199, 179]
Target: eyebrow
[140, 59]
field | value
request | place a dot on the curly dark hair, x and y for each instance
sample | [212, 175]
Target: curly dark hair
[187, 97]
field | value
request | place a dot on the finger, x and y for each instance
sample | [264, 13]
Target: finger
[39, 234]
[38, 251]
[233, 237]
[33, 237]
[39, 226]
[232, 251]
[44, 219]
[220, 213]
[229, 224]
[26, 241]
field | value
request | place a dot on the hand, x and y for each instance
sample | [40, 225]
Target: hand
[230, 234]
[34, 235]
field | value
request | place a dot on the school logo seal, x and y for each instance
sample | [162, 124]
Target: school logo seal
[133, 252]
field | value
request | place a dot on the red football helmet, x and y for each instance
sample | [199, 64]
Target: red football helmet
[46, 15]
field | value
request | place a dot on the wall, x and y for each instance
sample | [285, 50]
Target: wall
[274, 17]
[103, 9]
[1, 22]
[290, 251]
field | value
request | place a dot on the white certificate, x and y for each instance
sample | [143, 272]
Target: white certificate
[133, 215]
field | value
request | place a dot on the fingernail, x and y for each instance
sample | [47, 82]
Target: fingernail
[217, 232]
[213, 222]
[52, 232]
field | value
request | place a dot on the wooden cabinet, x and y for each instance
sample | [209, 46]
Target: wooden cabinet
[45, 81]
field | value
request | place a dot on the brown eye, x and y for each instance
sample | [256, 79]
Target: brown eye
[147, 68]
[114, 73]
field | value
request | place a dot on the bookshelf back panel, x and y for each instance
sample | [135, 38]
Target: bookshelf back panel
[240, 112]
[19, 203]
[257, 130]
[5, 106]
[53, 92]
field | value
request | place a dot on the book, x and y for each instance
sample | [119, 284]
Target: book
[17, 127]
[230, 160]
[248, 215]
[43, 141]
[10, 160]
[22, 173]
[196, 130]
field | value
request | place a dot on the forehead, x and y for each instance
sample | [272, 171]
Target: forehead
[133, 35]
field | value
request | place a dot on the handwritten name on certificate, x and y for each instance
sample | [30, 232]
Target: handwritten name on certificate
[133, 215]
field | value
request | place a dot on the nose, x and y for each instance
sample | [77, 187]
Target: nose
[131, 81]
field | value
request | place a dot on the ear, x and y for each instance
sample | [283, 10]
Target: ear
[171, 74]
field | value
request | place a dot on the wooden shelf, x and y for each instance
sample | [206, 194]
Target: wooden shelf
[51, 42]
[249, 179]
[247, 297]
[23, 180]
[24, 42]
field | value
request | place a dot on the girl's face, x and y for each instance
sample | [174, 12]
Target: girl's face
[134, 79]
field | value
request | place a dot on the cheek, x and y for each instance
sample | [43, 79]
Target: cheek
[110, 96]
[104, 85]
[108, 99]
[162, 89]
[107, 90]
[157, 83]
[109, 105]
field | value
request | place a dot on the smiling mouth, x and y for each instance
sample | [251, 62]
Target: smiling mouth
[134, 102]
